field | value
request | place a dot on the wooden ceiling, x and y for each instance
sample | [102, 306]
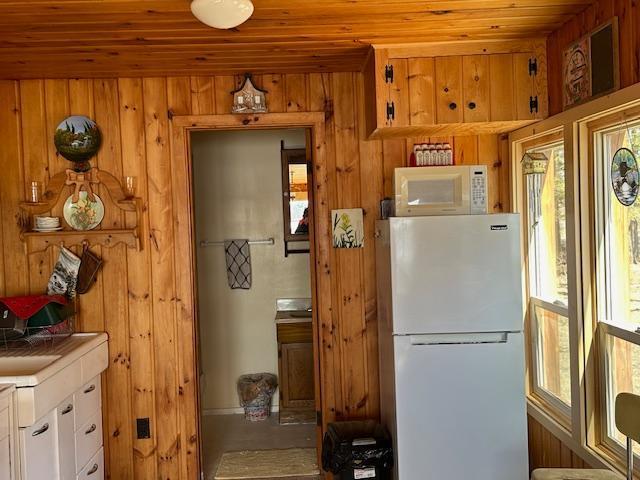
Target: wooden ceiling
[91, 38]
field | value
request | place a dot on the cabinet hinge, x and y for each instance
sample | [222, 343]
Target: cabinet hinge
[391, 111]
[388, 74]
[319, 418]
[533, 66]
[533, 104]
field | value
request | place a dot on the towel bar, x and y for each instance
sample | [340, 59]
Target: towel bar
[266, 241]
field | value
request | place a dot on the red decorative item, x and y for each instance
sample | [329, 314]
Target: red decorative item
[27, 306]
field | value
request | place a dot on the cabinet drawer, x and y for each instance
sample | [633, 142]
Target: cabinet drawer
[86, 401]
[88, 440]
[66, 439]
[295, 332]
[38, 449]
[4, 423]
[94, 469]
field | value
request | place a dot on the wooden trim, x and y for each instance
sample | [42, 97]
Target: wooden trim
[466, 47]
[288, 157]
[180, 128]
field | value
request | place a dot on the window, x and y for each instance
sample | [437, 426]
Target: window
[581, 253]
[547, 279]
[622, 374]
[618, 277]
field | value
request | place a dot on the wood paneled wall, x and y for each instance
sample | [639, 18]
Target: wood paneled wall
[628, 13]
[135, 298]
[546, 451]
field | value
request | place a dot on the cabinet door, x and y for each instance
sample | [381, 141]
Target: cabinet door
[422, 91]
[449, 89]
[297, 389]
[94, 469]
[66, 440]
[502, 88]
[525, 85]
[88, 440]
[39, 456]
[475, 88]
[5, 458]
[399, 93]
[86, 401]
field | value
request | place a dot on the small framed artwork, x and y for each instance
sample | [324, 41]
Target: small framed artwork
[590, 66]
[348, 228]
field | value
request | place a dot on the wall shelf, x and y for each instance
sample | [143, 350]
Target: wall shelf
[69, 180]
[39, 241]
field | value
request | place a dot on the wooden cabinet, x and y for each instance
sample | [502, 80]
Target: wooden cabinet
[295, 365]
[459, 90]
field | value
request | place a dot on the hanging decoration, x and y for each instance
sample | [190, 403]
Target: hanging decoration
[249, 98]
[624, 176]
[534, 163]
[77, 139]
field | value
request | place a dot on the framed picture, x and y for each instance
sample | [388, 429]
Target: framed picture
[590, 65]
[576, 71]
[348, 228]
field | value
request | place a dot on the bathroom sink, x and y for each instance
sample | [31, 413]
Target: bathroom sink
[25, 365]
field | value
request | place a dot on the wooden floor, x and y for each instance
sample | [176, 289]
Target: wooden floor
[229, 433]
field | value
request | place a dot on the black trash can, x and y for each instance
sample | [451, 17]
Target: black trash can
[357, 450]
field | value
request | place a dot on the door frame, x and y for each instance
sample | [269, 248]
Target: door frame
[186, 287]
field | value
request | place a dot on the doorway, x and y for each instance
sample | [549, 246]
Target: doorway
[252, 208]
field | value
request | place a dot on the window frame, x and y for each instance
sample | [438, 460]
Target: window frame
[585, 336]
[603, 324]
[554, 406]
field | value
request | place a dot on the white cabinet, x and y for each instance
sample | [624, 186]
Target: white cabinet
[87, 401]
[5, 458]
[8, 434]
[54, 414]
[88, 439]
[66, 444]
[94, 469]
[38, 449]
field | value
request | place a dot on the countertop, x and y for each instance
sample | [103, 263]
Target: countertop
[30, 366]
[6, 389]
[293, 316]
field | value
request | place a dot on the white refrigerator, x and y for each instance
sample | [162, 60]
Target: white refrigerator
[451, 346]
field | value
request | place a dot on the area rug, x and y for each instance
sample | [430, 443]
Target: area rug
[291, 462]
[297, 416]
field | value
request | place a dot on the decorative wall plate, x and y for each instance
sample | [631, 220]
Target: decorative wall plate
[83, 214]
[624, 176]
[77, 139]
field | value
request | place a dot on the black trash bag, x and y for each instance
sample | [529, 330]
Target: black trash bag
[356, 445]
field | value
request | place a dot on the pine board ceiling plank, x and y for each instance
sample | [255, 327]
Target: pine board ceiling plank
[91, 37]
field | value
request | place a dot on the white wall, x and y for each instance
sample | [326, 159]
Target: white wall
[238, 194]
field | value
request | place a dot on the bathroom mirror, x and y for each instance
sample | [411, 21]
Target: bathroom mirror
[295, 193]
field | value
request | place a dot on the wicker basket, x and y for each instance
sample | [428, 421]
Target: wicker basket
[255, 392]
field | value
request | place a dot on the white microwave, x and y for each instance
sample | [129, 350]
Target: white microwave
[450, 190]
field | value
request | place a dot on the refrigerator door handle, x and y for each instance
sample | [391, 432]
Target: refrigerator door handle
[459, 338]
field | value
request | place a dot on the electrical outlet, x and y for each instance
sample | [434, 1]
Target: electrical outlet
[142, 427]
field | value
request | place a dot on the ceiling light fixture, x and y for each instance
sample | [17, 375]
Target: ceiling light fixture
[222, 14]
